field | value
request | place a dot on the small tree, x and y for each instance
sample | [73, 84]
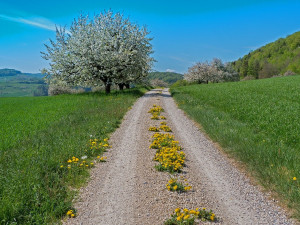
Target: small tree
[199, 73]
[215, 71]
[106, 49]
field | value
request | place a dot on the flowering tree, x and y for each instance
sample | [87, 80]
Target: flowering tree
[106, 49]
[215, 71]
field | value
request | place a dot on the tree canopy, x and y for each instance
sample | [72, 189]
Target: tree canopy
[106, 49]
[214, 71]
[279, 57]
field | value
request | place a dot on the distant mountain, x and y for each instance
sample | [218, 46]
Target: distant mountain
[12, 72]
[279, 57]
[9, 72]
[168, 77]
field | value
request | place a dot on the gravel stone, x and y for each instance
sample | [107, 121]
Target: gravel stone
[128, 190]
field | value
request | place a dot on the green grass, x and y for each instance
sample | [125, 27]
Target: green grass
[257, 122]
[21, 85]
[38, 134]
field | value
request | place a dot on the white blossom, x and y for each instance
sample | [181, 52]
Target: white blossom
[107, 48]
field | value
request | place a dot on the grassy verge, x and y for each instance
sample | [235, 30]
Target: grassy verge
[257, 122]
[38, 135]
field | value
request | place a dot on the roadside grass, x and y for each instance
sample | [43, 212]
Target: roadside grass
[258, 123]
[38, 135]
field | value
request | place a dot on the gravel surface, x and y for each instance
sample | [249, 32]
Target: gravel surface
[128, 190]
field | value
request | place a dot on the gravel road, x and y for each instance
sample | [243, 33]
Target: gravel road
[128, 190]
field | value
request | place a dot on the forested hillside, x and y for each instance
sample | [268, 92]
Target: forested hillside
[279, 57]
[168, 77]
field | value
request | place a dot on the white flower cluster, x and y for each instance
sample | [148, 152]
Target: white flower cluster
[215, 71]
[106, 49]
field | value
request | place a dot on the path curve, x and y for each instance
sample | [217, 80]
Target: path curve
[128, 190]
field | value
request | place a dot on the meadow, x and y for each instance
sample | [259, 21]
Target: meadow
[38, 136]
[257, 122]
[20, 85]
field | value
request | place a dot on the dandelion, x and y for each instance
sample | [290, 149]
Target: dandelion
[72, 215]
[103, 158]
[69, 161]
[186, 217]
[70, 212]
[61, 166]
[294, 178]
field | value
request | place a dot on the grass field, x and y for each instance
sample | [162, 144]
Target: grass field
[21, 85]
[38, 135]
[256, 122]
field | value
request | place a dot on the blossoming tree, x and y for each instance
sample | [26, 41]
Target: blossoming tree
[106, 49]
[215, 71]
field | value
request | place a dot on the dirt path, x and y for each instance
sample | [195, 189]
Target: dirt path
[128, 190]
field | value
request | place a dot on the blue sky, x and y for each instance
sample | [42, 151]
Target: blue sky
[184, 32]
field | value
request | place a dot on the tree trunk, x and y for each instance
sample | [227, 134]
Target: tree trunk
[121, 86]
[127, 86]
[107, 88]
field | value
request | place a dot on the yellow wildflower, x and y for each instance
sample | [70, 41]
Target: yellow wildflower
[177, 210]
[186, 217]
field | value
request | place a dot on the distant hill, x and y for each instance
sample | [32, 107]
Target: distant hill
[168, 77]
[14, 83]
[279, 57]
[9, 72]
[12, 72]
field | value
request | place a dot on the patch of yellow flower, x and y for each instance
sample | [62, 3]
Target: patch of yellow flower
[155, 129]
[174, 184]
[165, 128]
[70, 213]
[154, 117]
[96, 146]
[170, 159]
[156, 109]
[163, 140]
[186, 216]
